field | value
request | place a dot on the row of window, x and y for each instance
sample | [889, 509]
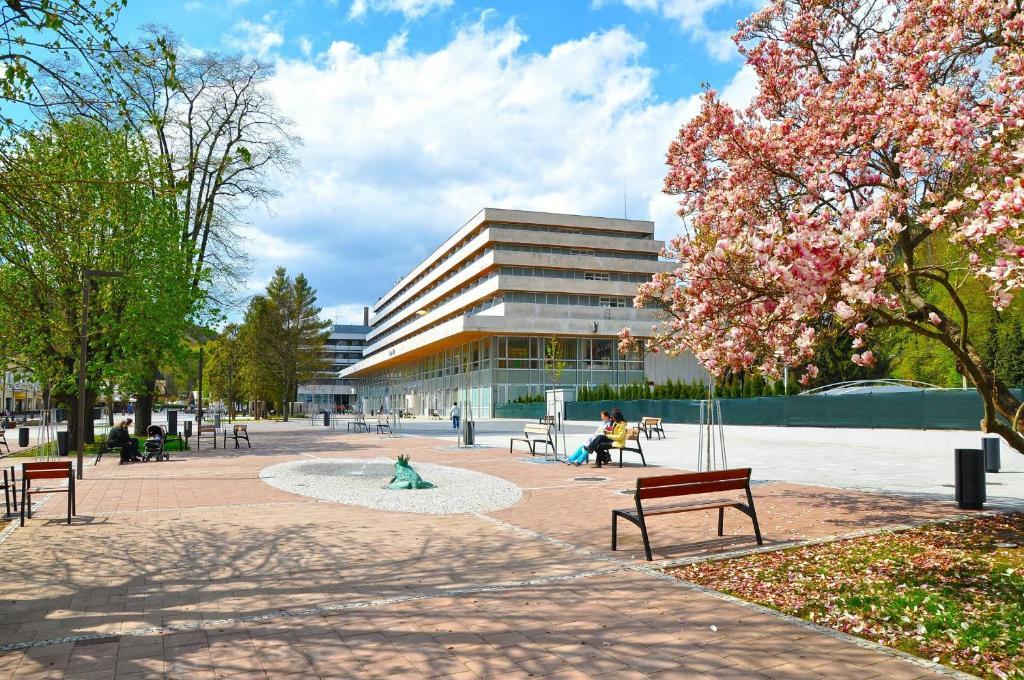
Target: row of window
[575, 252]
[577, 274]
[565, 299]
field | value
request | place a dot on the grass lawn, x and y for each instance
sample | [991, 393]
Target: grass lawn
[953, 593]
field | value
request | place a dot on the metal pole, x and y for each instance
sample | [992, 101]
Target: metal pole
[82, 352]
[199, 401]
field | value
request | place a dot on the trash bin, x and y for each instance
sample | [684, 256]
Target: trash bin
[327, 419]
[188, 429]
[172, 422]
[216, 420]
[991, 448]
[97, 413]
[62, 443]
[470, 433]
[22, 437]
[970, 478]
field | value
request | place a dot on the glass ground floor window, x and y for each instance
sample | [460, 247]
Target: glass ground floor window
[497, 370]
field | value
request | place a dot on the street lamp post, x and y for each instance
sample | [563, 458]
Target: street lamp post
[87, 275]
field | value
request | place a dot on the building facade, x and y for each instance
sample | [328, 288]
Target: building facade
[512, 304]
[344, 348]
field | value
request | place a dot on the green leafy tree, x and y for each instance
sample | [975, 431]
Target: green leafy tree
[106, 216]
[283, 338]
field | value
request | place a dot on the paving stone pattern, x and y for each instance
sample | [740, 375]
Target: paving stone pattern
[196, 568]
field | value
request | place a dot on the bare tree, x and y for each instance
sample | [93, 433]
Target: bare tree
[221, 140]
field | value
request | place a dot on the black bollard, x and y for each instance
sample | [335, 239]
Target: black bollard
[991, 447]
[970, 478]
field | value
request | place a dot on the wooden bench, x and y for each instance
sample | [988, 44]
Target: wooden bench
[670, 486]
[649, 425]
[206, 432]
[238, 431]
[533, 435]
[47, 470]
[3, 440]
[382, 425]
[435, 415]
[547, 420]
[632, 435]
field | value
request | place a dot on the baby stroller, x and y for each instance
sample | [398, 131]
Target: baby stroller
[155, 443]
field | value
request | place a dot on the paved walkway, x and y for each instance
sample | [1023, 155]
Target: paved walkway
[196, 568]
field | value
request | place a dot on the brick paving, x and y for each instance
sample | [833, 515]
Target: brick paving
[195, 568]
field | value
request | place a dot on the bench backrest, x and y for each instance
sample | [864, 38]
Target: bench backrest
[206, 429]
[240, 428]
[648, 420]
[667, 486]
[46, 470]
[633, 434]
[547, 420]
[537, 429]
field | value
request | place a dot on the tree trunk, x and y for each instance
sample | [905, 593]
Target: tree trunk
[110, 407]
[144, 405]
[90, 429]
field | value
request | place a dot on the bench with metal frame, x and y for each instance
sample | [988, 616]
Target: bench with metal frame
[238, 431]
[3, 440]
[435, 415]
[383, 425]
[358, 422]
[534, 435]
[10, 490]
[691, 484]
[207, 432]
[632, 435]
[46, 470]
[650, 424]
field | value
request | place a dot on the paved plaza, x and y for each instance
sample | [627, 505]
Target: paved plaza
[198, 568]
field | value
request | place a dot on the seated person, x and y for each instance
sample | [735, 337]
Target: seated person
[119, 437]
[583, 452]
[602, 443]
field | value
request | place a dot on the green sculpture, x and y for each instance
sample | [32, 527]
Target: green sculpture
[407, 478]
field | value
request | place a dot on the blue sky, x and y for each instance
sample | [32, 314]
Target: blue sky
[418, 113]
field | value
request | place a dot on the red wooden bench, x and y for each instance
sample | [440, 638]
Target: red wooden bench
[46, 470]
[670, 486]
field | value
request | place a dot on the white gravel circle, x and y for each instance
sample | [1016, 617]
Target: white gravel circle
[362, 482]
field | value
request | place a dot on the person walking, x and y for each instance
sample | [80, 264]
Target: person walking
[456, 415]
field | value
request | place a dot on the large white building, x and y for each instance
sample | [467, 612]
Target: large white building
[475, 321]
[344, 348]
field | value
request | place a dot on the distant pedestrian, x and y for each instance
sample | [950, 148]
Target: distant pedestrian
[456, 414]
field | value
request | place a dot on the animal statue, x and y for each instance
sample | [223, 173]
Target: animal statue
[407, 478]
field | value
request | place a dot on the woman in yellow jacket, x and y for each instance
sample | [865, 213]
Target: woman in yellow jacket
[615, 437]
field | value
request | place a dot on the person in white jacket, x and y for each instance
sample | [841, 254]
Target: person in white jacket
[456, 414]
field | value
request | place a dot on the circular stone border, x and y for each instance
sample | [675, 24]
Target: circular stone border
[362, 482]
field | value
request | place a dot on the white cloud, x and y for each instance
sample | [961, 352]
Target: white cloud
[692, 17]
[254, 39]
[305, 45]
[411, 9]
[402, 147]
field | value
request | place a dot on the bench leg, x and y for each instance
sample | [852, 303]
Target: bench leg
[24, 496]
[721, 520]
[647, 541]
[615, 526]
[753, 518]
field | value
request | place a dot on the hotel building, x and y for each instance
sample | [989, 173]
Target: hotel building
[474, 321]
[344, 348]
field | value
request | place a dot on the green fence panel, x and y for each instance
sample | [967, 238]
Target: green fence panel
[532, 411]
[927, 409]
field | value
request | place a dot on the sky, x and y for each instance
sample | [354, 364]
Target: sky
[416, 114]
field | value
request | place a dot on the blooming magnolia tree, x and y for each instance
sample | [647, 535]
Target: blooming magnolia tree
[878, 169]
